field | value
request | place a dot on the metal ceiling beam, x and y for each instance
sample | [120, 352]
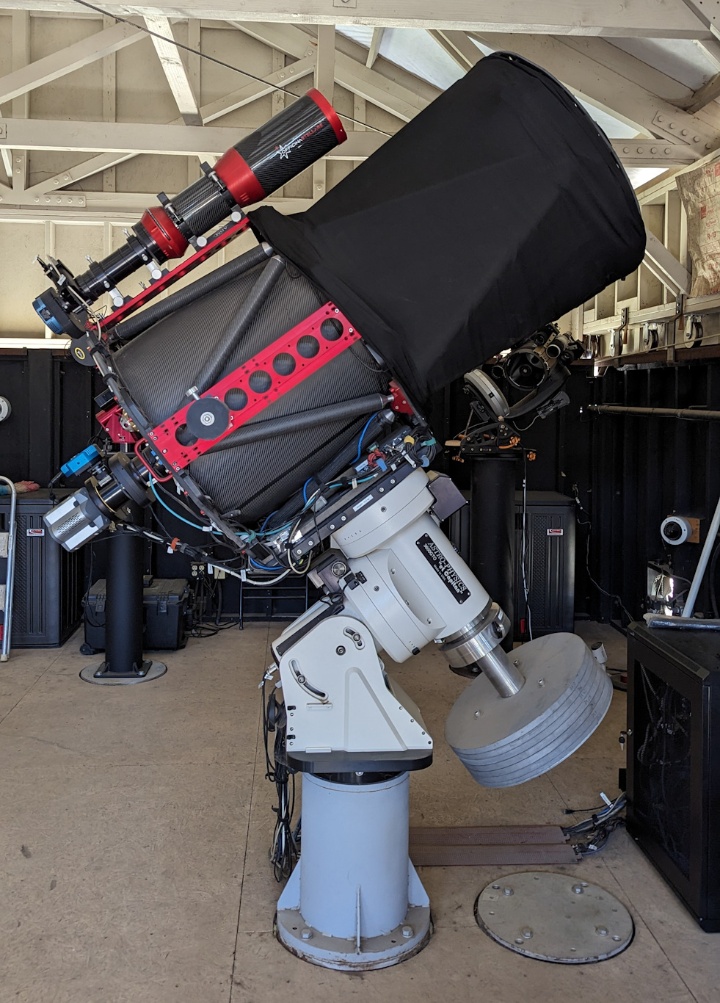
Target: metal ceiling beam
[101, 209]
[707, 12]
[665, 266]
[650, 18]
[73, 57]
[174, 69]
[256, 89]
[459, 46]
[374, 49]
[369, 84]
[208, 113]
[15, 161]
[128, 139]
[704, 95]
[136, 137]
[325, 60]
[630, 67]
[603, 87]
[72, 175]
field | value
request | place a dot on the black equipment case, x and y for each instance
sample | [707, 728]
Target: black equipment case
[164, 605]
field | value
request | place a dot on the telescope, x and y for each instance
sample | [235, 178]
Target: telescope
[285, 395]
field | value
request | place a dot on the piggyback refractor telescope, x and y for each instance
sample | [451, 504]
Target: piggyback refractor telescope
[284, 394]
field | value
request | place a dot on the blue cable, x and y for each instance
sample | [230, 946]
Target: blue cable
[362, 436]
[264, 567]
[173, 512]
[304, 490]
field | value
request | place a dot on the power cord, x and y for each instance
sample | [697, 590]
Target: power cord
[588, 522]
[284, 849]
[591, 835]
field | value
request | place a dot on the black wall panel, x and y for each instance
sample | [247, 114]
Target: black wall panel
[52, 412]
[633, 471]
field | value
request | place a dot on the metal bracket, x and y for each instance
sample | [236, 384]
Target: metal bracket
[676, 127]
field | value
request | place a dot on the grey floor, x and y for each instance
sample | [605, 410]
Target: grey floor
[134, 827]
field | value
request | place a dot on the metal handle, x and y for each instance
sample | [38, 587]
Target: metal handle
[10, 577]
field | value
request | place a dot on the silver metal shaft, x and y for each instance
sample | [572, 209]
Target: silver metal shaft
[505, 677]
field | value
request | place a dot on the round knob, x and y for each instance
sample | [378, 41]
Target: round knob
[208, 418]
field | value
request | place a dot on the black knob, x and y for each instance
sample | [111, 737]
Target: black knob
[208, 418]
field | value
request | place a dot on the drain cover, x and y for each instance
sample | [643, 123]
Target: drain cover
[554, 917]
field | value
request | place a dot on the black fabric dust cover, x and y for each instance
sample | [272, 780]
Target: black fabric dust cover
[496, 210]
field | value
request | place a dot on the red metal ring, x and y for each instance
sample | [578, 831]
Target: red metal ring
[237, 176]
[329, 112]
[161, 229]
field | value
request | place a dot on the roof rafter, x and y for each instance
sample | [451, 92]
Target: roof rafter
[142, 137]
[459, 46]
[177, 77]
[603, 87]
[374, 49]
[210, 112]
[58, 64]
[650, 18]
[349, 73]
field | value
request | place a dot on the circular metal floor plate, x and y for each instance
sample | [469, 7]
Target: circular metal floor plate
[153, 671]
[554, 917]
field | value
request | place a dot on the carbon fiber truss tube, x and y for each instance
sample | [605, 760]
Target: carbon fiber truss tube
[304, 419]
[131, 328]
[258, 294]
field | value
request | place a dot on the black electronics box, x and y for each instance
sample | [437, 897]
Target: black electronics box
[673, 764]
[164, 605]
[48, 580]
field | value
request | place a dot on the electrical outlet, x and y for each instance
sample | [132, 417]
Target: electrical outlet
[196, 570]
[219, 572]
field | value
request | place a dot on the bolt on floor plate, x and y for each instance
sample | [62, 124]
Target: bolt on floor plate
[554, 917]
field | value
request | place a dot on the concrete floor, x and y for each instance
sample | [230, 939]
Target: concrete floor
[134, 829]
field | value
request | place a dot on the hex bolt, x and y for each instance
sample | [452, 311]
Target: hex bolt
[578, 889]
[527, 933]
[507, 890]
[306, 933]
[407, 932]
[519, 940]
[601, 931]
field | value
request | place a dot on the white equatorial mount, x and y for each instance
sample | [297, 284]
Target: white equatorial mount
[394, 584]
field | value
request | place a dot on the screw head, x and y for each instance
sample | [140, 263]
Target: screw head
[507, 890]
[407, 932]
[340, 650]
[527, 933]
[601, 931]
[578, 889]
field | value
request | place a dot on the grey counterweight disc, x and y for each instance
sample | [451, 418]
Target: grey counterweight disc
[554, 917]
[504, 741]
